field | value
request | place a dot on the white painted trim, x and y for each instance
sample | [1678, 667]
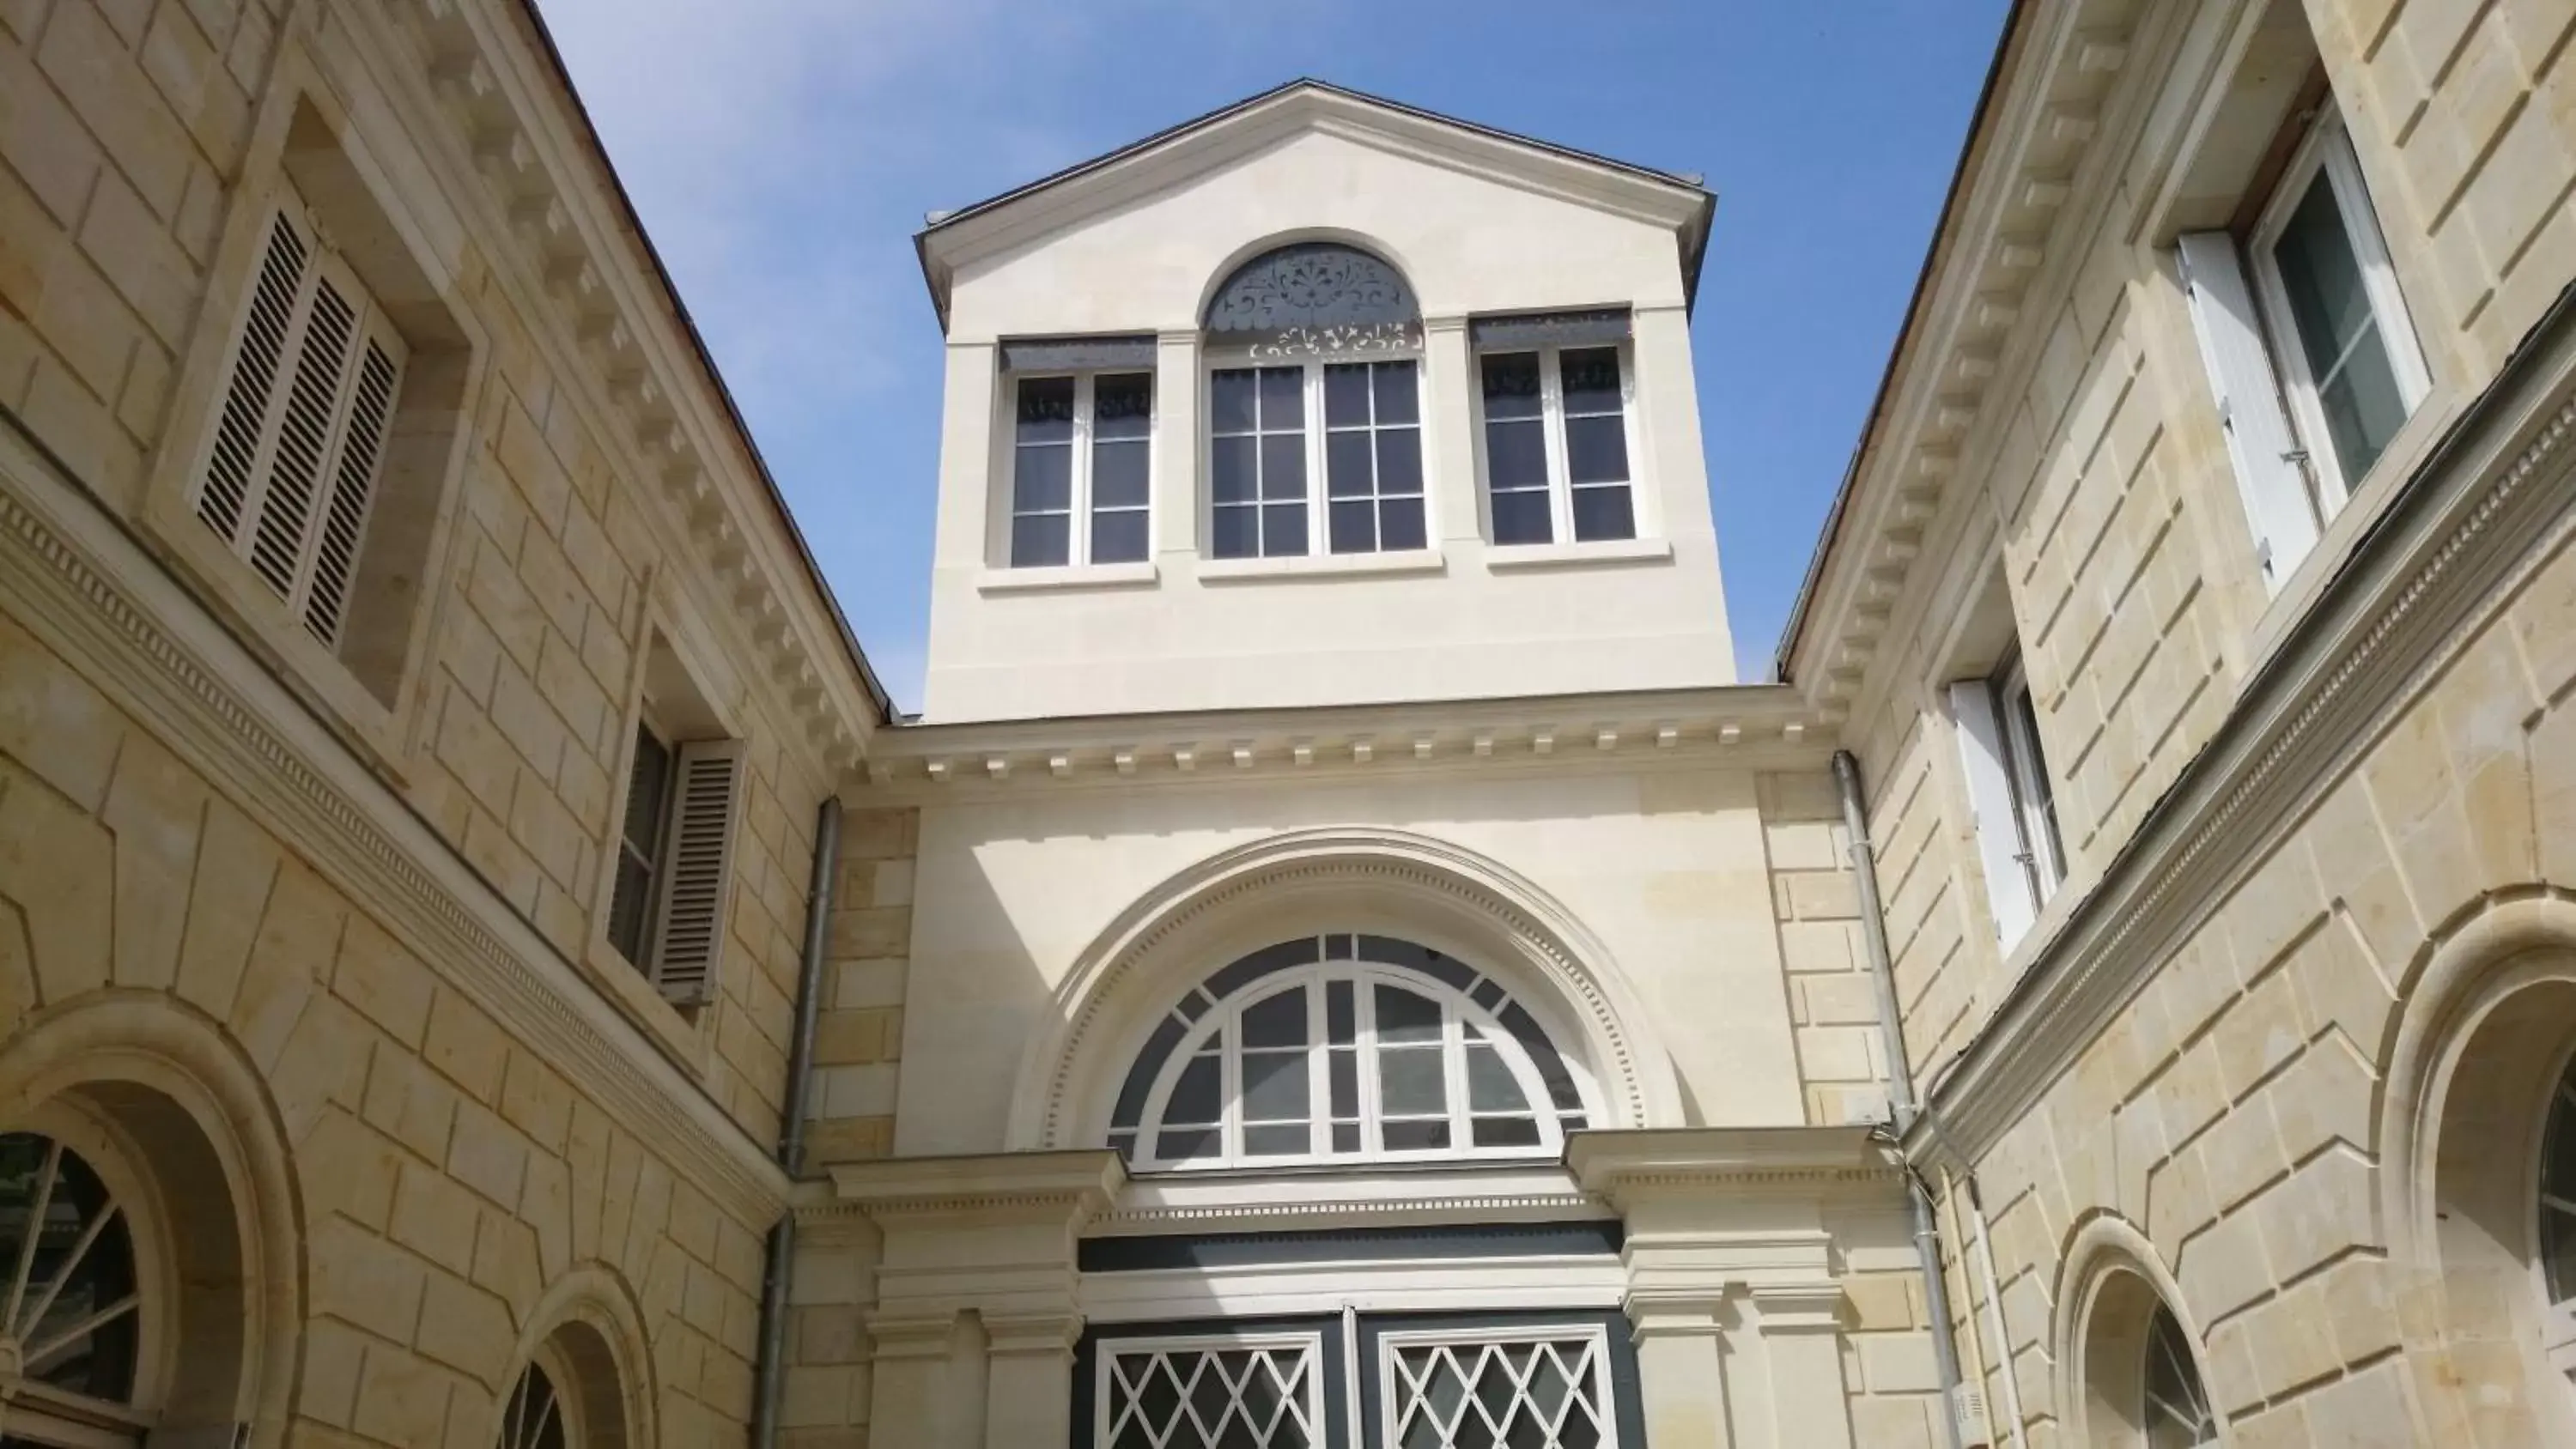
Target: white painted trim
[1503, 557]
[1144, 573]
[1316, 565]
[1604, 1396]
[1430, 1285]
[1310, 1347]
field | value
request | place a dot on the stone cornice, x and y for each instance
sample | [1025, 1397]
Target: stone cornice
[2491, 504]
[1626, 1167]
[2005, 254]
[1013, 1186]
[1756, 726]
[80, 582]
[613, 307]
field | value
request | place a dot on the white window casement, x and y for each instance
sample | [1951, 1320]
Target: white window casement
[669, 897]
[1081, 464]
[300, 432]
[1497, 1388]
[2010, 794]
[2309, 349]
[1557, 407]
[1256, 1391]
[1316, 456]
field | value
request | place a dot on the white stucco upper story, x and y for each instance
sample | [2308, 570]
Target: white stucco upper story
[1405, 500]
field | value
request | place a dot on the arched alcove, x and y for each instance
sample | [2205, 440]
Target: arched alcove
[1395, 884]
[2127, 1349]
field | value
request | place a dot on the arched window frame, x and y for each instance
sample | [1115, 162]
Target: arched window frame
[544, 1407]
[44, 1415]
[2552, 1166]
[1470, 1004]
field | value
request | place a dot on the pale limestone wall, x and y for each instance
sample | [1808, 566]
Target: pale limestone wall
[858, 1029]
[2133, 585]
[1832, 1005]
[450, 1177]
[140, 137]
[1663, 868]
[1889, 1371]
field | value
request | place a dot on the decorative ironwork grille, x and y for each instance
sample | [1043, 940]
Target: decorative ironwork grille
[1544, 1392]
[1210, 1394]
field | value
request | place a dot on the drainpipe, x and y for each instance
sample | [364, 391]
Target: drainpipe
[1900, 1084]
[791, 1134]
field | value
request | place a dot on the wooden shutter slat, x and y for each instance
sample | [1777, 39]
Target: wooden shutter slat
[344, 521]
[688, 939]
[304, 427]
[2260, 443]
[230, 472]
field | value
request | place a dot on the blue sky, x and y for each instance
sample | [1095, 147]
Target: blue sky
[783, 155]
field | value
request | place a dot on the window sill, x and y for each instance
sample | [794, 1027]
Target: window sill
[1076, 576]
[1322, 565]
[1571, 555]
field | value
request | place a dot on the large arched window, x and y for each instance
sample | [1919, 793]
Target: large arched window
[72, 1307]
[2173, 1403]
[1344, 1046]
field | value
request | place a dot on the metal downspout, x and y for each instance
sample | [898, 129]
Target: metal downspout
[1900, 1082]
[791, 1134]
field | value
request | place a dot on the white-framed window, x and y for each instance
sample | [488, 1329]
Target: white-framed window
[1345, 1047]
[1249, 1391]
[1315, 456]
[1558, 444]
[308, 398]
[1502, 1388]
[672, 884]
[1081, 468]
[2010, 792]
[2308, 345]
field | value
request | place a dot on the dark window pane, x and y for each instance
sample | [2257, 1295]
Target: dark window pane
[1603, 513]
[1276, 1021]
[1289, 1141]
[1346, 1137]
[1119, 474]
[1231, 470]
[1040, 540]
[1491, 1087]
[1122, 405]
[1522, 518]
[1196, 1096]
[1230, 396]
[1283, 467]
[1511, 385]
[1354, 527]
[2322, 275]
[1274, 1087]
[1343, 1072]
[1235, 532]
[1347, 471]
[1399, 398]
[1187, 1146]
[647, 776]
[1346, 394]
[1046, 410]
[1118, 537]
[1399, 460]
[1042, 479]
[1590, 376]
[1596, 450]
[1399, 523]
[1339, 1024]
[1411, 1081]
[627, 907]
[1516, 455]
[1506, 1132]
[1403, 1016]
[1283, 529]
[1416, 1136]
[2363, 407]
[1283, 398]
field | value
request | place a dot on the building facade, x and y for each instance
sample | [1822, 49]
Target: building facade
[1342, 958]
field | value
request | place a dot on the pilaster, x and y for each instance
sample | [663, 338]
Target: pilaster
[1176, 448]
[1732, 1294]
[1450, 430]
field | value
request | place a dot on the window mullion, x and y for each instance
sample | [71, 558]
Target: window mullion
[1364, 1040]
[1229, 1086]
[1453, 1076]
[1319, 1067]
[1077, 547]
[1560, 486]
[1316, 435]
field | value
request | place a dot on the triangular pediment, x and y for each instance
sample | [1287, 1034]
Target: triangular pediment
[1282, 117]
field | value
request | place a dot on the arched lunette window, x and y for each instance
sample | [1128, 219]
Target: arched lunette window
[2554, 1193]
[71, 1305]
[1344, 1046]
[2176, 1406]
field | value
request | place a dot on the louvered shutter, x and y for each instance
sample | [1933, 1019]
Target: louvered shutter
[300, 439]
[1990, 801]
[2270, 471]
[697, 882]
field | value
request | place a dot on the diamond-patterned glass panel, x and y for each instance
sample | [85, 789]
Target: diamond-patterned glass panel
[1545, 1393]
[1223, 1394]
